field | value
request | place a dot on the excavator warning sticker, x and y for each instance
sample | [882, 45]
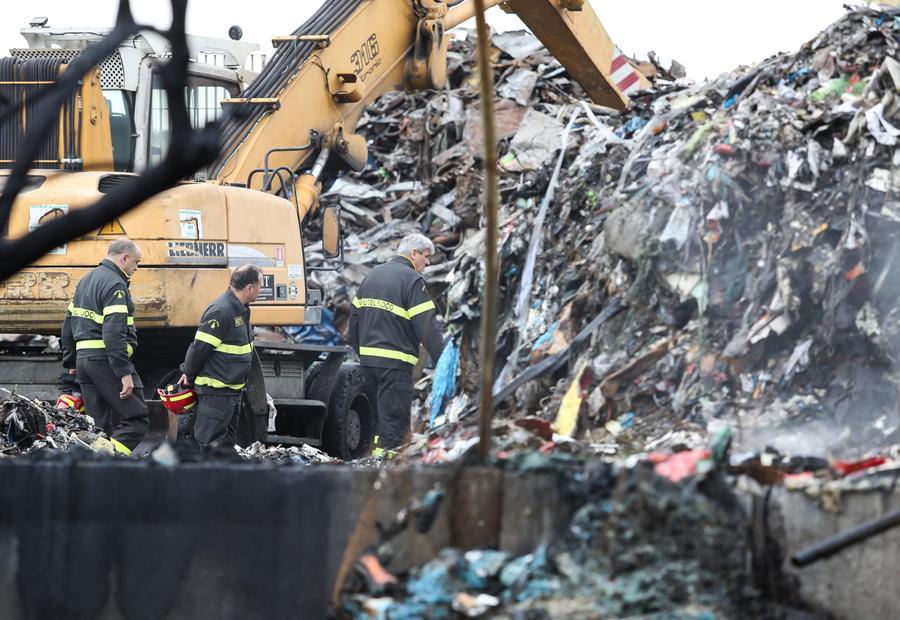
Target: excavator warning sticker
[197, 252]
[112, 228]
[41, 214]
[623, 75]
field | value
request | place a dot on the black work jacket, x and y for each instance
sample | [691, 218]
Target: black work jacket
[392, 314]
[220, 356]
[99, 322]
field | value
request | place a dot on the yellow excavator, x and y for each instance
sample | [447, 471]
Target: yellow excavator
[296, 132]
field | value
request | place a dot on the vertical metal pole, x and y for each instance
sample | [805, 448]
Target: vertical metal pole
[491, 268]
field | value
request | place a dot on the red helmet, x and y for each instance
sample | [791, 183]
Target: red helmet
[177, 401]
[75, 401]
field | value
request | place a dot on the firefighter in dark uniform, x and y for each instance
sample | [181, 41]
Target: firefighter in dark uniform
[98, 340]
[218, 361]
[392, 314]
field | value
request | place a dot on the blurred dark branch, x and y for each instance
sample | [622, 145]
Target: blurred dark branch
[189, 149]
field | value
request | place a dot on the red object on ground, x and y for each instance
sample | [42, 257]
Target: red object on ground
[75, 401]
[540, 427]
[724, 149]
[855, 272]
[850, 467]
[677, 465]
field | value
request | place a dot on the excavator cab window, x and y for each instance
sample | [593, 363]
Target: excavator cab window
[121, 126]
[203, 96]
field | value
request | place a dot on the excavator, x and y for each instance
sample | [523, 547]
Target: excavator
[295, 134]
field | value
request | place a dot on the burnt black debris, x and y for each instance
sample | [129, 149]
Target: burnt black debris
[747, 225]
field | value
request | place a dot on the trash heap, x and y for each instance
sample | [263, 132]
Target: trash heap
[638, 546]
[288, 455]
[30, 425]
[716, 254]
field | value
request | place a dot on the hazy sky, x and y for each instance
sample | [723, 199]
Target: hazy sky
[707, 36]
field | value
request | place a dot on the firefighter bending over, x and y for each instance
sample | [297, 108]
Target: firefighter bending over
[218, 361]
[392, 314]
[98, 340]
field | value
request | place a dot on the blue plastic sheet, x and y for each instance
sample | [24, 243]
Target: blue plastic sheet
[443, 386]
[324, 333]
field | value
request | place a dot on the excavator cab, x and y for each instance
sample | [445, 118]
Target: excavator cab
[127, 128]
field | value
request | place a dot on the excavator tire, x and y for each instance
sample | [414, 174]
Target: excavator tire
[352, 416]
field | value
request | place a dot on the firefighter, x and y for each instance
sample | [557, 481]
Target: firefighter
[98, 341]
[392, 314]
[218, 360]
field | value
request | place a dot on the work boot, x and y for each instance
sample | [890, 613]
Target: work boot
[120, 448]
[382, 453]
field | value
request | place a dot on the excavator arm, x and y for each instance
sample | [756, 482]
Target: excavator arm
[301, 112]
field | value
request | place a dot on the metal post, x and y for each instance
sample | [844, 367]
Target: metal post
[491, 268]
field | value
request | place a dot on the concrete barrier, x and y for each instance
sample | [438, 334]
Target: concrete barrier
[121, 539]
[859, 581]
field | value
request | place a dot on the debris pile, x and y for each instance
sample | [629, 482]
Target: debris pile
[717, 254]
[296, 455]
[639, 544]
[28, 425]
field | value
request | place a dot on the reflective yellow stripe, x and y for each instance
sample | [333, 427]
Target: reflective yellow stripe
[118, 446]
[403, 313]
[380, 304]
[86, 314]
[207, 338]
[96, 317]
[424, 307]
[390, 354]
[235, 349]
[182, 397]
[217, 384]
[71, 307]
[99, 344]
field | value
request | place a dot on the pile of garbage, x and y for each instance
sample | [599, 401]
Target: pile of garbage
[638, 546]
[29, 425]
[295, 455]
[717, 254]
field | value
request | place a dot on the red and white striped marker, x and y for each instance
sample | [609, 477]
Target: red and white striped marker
[623, 75]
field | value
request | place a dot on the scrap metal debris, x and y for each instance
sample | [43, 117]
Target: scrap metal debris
[298, 455]
[746, 226]
[28, 425]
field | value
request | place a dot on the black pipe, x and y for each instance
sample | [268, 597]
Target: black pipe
[858, 533]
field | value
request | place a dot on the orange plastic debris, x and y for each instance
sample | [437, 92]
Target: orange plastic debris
[376, 573]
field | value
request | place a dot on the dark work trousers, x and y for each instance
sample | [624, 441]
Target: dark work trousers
[395, 393]
[212, 426]
[126, 420]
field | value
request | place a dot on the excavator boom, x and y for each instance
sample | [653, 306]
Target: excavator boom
[325, 73]
[571, 31]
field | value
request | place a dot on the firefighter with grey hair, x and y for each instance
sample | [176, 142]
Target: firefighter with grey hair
[392, 314]
[98, 341]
